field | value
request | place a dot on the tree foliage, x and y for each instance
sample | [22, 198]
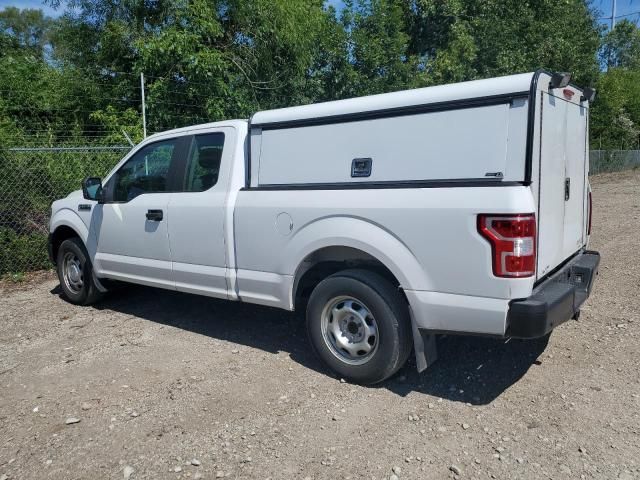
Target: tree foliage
[615, 116]
[621, 46]
[204, 60]
[24, 29]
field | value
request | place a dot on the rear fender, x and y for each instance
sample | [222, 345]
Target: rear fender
[358, 233]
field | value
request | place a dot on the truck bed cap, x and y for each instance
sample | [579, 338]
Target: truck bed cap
[475, 89]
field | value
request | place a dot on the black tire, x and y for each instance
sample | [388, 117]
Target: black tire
[388, 308]
[88, 293]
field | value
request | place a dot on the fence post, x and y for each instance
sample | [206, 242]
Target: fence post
[144, 108]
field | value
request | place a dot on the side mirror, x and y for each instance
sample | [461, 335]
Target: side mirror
[92, 189]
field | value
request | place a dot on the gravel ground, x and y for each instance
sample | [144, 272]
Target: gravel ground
[156, 384]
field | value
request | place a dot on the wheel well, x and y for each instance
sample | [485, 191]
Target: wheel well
[61, 234]
[325, 262]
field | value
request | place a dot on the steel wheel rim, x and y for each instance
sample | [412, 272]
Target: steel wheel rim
[72, 273]
[349, 330]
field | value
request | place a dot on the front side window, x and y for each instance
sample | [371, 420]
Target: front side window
[146, 172]
[203, 164]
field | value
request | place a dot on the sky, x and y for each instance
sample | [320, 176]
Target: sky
[629, 9]
[624, 9]
[29, 4]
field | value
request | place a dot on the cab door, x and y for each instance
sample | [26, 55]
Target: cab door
[197, 227]
[131, 227]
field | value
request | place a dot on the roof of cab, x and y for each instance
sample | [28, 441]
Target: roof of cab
[195, 128]
[474, 89]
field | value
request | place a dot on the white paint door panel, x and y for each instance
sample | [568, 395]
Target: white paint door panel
[453, 144]
[197, 230]
[131, 247]
[575, 164]
[551, 198]
[562, 165]
[131, 228]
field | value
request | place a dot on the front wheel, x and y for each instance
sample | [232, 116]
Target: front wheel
[75, 273]
[358, 324]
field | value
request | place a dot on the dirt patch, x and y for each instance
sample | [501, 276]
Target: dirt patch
[168, 385]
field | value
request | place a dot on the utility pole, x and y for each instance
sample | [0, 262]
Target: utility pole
[144, 108]
[613, 14]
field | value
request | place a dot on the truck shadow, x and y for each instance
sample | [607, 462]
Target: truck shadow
[469, 369]
[473, 370]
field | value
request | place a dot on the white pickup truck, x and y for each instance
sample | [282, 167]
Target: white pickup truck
[392, 218]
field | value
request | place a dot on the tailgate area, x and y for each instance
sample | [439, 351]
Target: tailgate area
[562, 180]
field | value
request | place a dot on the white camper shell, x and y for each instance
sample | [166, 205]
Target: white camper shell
[460, 208]
[480, 133]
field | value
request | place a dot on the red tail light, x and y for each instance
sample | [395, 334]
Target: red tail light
[590, 209]
[513, 243]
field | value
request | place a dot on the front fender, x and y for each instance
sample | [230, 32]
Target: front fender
[361, 234]
[69, 218]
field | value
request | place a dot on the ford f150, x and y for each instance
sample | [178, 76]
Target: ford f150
[391, 218]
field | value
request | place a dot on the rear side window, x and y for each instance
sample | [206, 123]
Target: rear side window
[146, 172]
[203, 164]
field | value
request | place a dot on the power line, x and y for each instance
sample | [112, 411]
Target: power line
[628, 14]
[620, 16]
[613, 17]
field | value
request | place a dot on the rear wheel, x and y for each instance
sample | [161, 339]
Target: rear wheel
[75, 273]
[359, 325]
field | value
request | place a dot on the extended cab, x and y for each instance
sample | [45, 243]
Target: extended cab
[461, 208]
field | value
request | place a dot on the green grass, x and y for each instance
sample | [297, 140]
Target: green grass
[18, 277]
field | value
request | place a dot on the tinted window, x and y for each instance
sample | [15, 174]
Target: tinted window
[203, 165]
[146, 172]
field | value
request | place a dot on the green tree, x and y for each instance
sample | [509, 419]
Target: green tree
[466, 39]
[233, 58]
[615, 116]
[204, 60]
[272, 45]
[621, 46]
[28, 30]
[378, 48]
[331, 75]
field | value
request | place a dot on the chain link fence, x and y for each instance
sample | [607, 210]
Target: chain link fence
[601, 161]
[32, 178]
